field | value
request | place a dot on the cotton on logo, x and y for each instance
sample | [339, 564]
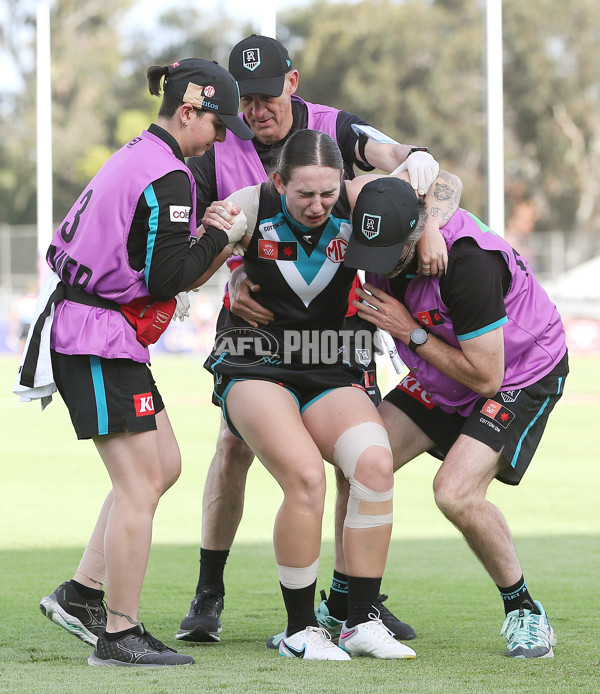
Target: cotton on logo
[144, 404]
[336, 250]
[179, 214]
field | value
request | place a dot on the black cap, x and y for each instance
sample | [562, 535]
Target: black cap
[259, 64]
[209, 87]
[385, 214]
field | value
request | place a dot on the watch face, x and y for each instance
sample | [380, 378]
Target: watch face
[419, 336]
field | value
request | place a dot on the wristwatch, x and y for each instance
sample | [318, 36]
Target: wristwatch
[418, 337]
[417, 149]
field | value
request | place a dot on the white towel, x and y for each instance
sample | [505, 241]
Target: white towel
[43, 384]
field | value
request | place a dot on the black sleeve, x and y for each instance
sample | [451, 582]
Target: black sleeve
[159, 239]
[474, 287]
[203, 170]
[347, 138]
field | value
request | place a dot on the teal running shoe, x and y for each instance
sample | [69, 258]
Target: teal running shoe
[528, 635]
[333, 625]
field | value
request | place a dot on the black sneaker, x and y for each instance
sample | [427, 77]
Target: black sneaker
[138, 648]
[401, 630]
[203, 621]
[84, 618]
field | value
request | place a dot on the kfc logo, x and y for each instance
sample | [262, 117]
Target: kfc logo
[411, 385]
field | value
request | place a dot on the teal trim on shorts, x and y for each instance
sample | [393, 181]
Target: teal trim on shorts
[513, 462]
[483, 331]
[150, 196]
[100, 393]
[308, 404]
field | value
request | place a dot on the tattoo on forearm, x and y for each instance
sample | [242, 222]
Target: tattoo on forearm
[135, 622]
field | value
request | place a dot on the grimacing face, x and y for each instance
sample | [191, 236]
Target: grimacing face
[311, 193]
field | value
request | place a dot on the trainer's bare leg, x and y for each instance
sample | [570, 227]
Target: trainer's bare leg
[460, 488]
[223, 500]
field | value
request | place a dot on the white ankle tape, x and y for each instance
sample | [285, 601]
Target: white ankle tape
[296, 578]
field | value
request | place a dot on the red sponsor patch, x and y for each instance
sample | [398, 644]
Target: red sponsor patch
[277, 250]
[431, 317]
[144, 404]
[411, 385]
[500, 414]
[177, 64]
[336, 250]
[209, 91]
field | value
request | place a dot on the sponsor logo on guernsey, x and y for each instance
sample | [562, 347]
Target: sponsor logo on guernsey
[144, 404]
[277, 250]
[411, 385]
[510, 395]
[179, 213]
[431, 317]
[501, 415]
[336, 249]
[251, 58]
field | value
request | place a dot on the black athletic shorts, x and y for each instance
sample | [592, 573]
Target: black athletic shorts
[513, 419]
[106, 396]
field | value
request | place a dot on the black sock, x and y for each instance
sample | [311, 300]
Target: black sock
[362, 595]
[300, 606]
[212, 567]
[514, 596]
[337, 602]
[116, 635]
[85, 592]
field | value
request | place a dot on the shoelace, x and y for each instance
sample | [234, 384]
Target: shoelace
[525, 629]
[317, 632]
[155, 643]
[375, 619]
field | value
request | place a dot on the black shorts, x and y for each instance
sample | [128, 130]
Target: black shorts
[512, 420]
[106, 396]
[306, 384]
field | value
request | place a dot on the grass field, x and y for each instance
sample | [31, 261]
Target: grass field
[52, 486]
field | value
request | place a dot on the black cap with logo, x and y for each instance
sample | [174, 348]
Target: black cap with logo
[385, 214]
[209, 87]
[259, 64]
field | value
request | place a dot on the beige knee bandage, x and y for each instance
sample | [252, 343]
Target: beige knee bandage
[366, 508]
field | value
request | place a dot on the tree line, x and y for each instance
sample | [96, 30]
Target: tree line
[415, 69]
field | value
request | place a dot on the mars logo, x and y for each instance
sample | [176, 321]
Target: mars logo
[144, 404]
[251, 58]
[209, 91]
[370, 225]
[336, 250]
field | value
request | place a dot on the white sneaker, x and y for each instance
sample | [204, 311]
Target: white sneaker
[373, 638]
[312, 643]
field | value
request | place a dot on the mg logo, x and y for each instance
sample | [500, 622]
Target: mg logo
[336, 250]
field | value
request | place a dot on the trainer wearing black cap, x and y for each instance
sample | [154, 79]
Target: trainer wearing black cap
[130, 241]
[487, 360]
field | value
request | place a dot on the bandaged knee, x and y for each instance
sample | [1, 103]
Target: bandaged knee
[295, 578]
[366, 508]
